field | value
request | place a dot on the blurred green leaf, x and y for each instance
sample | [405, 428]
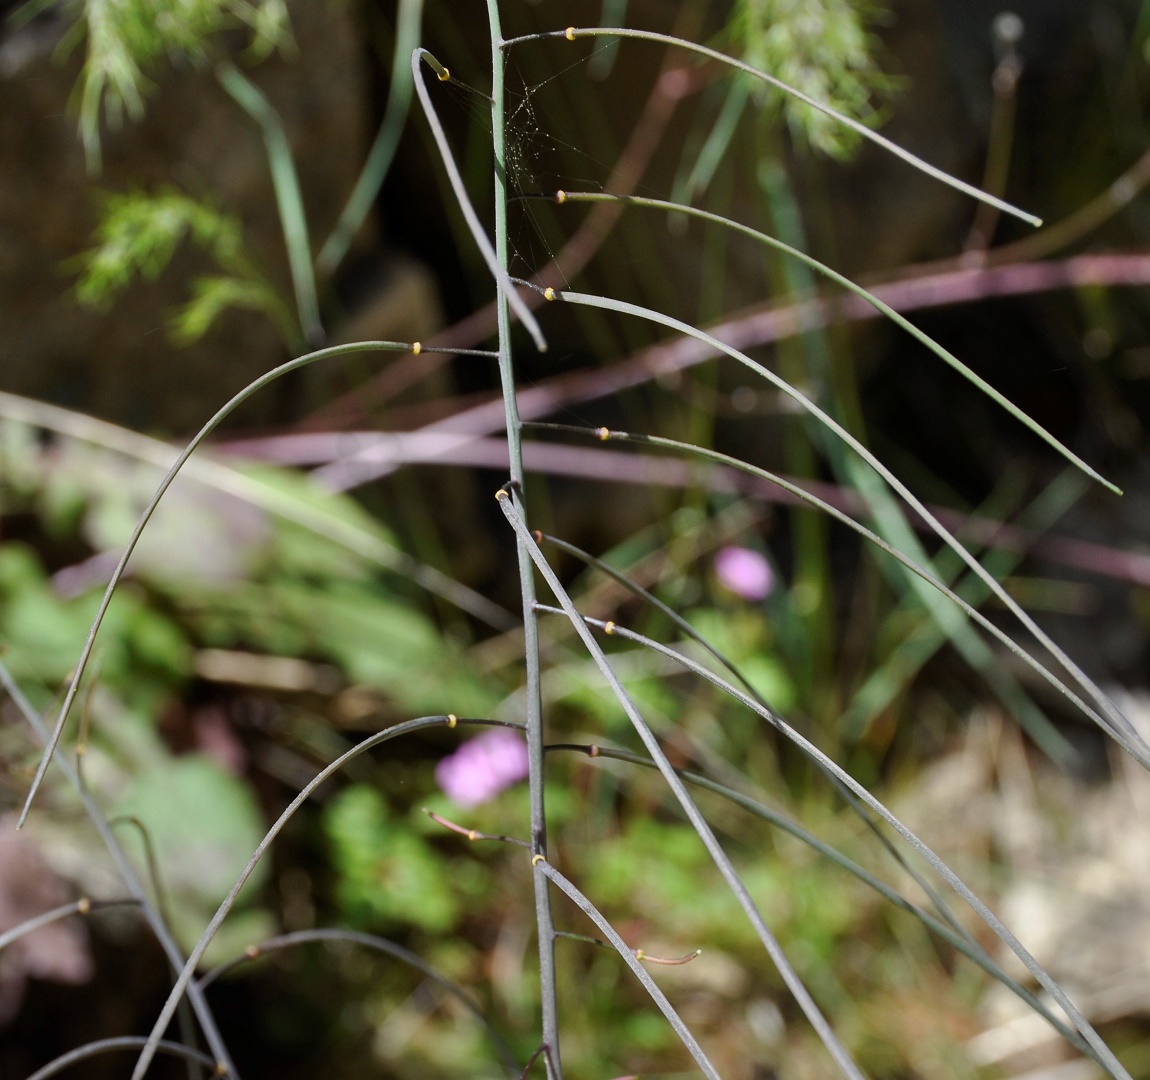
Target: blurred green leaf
[203, 824]
[376, 639]
[215, 294]
[658, 870]
[140, 652]
[138, 234]
[742, 634]
[387, 873]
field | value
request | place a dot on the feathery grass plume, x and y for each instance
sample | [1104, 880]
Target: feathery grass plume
[127, 39]
[823, 48]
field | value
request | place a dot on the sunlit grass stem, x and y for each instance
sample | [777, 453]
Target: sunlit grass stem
[379, 158]
[289, 199]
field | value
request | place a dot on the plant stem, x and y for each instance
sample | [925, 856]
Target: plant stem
[185, 982]
[535, 741]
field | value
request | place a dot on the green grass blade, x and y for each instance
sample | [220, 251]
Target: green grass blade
[289, 200]
[379, 158]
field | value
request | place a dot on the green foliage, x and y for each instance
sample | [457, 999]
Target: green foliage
[126, 39]
[212, 296]
[241, 563]
[387, 874]
[139, 233]
[142, 654]
[576, 689]
[203, 824]
[743, 635]
[823, 49]
[223, 572]
[316, 525]
[375, 639]
[659, 868]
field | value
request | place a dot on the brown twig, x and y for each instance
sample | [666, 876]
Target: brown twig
[473, 834]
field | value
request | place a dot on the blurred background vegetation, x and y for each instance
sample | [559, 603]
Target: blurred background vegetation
[272, 618]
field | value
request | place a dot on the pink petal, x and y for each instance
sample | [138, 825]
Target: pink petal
[744, 572]
[483, 767]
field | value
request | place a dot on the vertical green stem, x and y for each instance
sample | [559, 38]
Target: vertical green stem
[806, 360]
[382, 151]
[289, 199]
[535, 742]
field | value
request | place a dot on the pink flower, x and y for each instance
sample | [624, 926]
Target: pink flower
[482, 767]
[745, 572]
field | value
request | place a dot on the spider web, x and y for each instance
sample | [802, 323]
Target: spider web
[538, 163]
[537, 160]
